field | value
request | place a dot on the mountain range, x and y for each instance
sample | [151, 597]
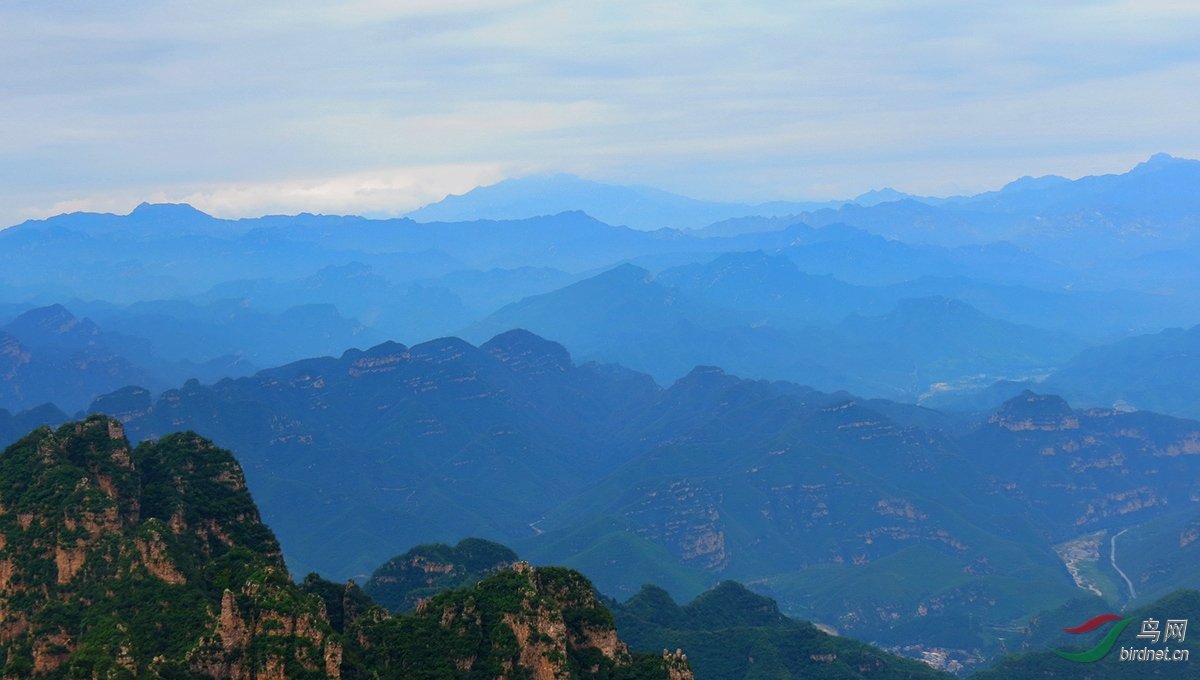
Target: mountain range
[143, 562]
[883, 520]
[932, 424]
[1157, 195]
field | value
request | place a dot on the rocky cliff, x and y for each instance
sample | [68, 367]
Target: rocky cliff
[152, 561]
[405, 580]
[540, 624]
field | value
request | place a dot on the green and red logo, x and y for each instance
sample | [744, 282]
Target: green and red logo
[1099, 651]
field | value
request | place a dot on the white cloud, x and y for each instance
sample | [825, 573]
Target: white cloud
[756, 100]
[389, 192]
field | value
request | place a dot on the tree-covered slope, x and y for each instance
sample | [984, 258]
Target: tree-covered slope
[403, 581]
[144, 562]
[889, 522]
[151, 562]
[522, 622]
[727, 632]
[1046, 635]
[732, 633]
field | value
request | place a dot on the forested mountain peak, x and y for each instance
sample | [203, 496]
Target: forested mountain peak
[124, 562]
[147, 560]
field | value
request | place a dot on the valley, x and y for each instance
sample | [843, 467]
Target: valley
[925, 446]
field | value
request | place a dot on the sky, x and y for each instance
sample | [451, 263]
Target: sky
[376, 107]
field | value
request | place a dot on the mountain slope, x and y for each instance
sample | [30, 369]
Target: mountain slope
[732, 633]
[403, 581]
[400, 446]
[948, 340]
[1041, 663]
[47, 355]
[883, 520]
[152, 562]
[756, 315]
[147, 561]
[1153, 372]
[524, 622]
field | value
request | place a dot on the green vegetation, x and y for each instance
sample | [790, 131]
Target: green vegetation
[887, 522]
[613, 555]
[1046, 634]
[513, 623]
[403, 581]
[731, 633]
[153, 563]
[120, 562]
[1160, 556]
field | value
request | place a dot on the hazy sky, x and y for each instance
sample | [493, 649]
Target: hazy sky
[378, 107]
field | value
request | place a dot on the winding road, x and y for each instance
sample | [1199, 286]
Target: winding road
[1112, 557]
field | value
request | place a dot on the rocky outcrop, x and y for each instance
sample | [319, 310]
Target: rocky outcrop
[402, 582]
[543, 623]
[153, 562]
[274, 632]
[103, 547]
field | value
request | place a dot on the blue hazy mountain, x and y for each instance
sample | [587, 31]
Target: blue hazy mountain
[627, 316]
[837, 507]
[405, 312]
[1159, 372]
[1150, 208]
[887, 195]
[177, 330]
[859, 256]
[47, 355]
[311, 284]
[367, 268]
[14, 426]
[885, 520]
[775, 287]
[638, 207]
[1144, 210]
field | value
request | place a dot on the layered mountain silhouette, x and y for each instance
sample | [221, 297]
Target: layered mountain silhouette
[1153, 372]
[627, 316]
[47, 355]
[810, 465]
[839, 508]
[1048, 212]
[634, 206]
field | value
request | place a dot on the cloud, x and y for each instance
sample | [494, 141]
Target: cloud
[745, 101]
[389, 192]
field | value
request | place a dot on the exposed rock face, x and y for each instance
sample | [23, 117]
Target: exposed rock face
[402, 582]
[153, 562]
[542, 623]
[113, 561]
[1030, 411]
[274, 631]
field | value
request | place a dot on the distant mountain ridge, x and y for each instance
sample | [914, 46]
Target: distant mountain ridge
[1156, 194]
[814, 497]
[638, 207]
[759, 316]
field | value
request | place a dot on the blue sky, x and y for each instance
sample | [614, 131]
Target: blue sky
[378, 107]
